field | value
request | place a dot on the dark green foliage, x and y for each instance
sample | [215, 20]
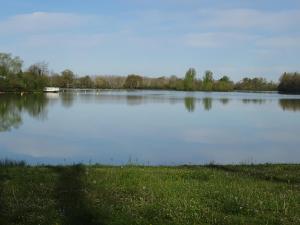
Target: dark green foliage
[289, 83]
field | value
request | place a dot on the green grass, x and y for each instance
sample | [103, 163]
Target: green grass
[244, 194]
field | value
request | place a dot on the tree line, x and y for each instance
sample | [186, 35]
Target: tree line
[37, 76]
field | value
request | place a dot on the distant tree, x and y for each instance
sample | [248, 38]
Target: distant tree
[85, 82]
[189, 79]
[133, 81]
[225, 79]
[35, 78]
[223, 84]
[10, 73]
[39, 69]
[255, 84]
[67, 78]
[208, 81]
[289, 83]
[9, 65]
[101, 83]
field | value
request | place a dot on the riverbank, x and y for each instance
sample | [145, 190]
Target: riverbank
[261, 194]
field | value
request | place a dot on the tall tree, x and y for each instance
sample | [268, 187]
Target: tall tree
[208, 81]
[189, 79]
[9, 65]
[67, 77]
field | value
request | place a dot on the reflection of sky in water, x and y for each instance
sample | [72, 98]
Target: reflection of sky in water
[156, 127]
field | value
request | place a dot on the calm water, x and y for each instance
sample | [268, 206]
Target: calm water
[150, 127]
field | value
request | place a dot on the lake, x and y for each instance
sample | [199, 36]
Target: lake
[150, 127]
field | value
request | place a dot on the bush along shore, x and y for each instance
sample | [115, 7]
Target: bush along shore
[94, 194]
[37, 77]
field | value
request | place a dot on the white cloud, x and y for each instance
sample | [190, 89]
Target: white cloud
[41, 21]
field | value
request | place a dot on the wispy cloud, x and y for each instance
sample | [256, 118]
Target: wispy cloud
[281, 42]
[41, 21]
[218, 39]
[66, 40]
[250, 18]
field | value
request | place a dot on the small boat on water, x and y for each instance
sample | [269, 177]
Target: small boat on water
[51, 89]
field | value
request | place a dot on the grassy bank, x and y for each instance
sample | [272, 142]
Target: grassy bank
[262, 194]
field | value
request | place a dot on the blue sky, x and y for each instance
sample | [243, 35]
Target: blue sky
[155, 37]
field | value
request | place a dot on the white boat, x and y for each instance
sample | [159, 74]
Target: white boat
[51, 89]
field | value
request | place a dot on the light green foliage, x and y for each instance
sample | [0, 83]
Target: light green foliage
[189, 79]
[224, 84]
[208, 81]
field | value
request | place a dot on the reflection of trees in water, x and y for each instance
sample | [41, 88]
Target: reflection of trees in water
[290, 104]
[67, 99]
[224, 101]
[207, 103]
[9, 120]
[189, 103]
[12, 106]
[254, 101]
[134, 99]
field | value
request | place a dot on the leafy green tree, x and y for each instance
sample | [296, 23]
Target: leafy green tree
[208, 81]
[223, 84]
[189, 79]
[101, 83]
[36, 77]
[289, 83]
[10, 73]
[255, 84]
[67, 78]
[85, 82]
[9, 65]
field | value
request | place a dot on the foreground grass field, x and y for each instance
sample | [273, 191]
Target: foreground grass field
[262, 194]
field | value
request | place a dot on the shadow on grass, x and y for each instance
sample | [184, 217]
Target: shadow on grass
[73, 204]
[4, 177]
[261, 172]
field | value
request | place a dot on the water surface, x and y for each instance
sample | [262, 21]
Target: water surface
[150, 127]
